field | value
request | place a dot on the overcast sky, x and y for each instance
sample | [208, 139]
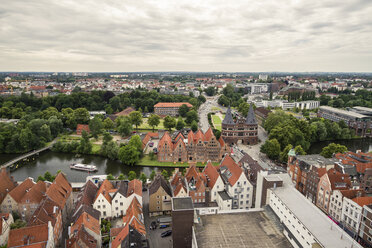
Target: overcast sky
[190, 35]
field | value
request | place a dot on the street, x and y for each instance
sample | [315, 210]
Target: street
[206, 108]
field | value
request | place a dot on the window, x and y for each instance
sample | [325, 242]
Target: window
[98, 206]
[116, 201]
[121, 204]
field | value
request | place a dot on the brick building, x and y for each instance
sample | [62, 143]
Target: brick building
[169, 108]
[242, 129]
[198, 147]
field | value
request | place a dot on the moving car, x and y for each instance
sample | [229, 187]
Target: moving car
[166, 233]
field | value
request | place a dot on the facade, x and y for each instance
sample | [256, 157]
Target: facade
[160, 196]
[359, 122]
[196, 185]
[304, 224]
[265, 180]
[214, 181]
[5, 221]
[237, 185]
[330, 181]
[198, 147]
[365, 230]
[169, 108]
[243, 130]
[337, 200]
[352, 212]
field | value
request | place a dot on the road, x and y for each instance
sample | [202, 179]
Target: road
[206, 108]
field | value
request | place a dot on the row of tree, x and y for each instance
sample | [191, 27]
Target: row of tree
[360, 98]
[286, 132]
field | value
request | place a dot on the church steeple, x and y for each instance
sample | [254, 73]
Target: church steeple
[251, 118]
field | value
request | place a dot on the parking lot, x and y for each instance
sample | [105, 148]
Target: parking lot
[254, 229]
[155, 240]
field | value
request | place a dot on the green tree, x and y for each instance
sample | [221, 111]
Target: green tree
[85, 146]
[284, 154]
[121, 176]
[194, 126]
[152, 175]
[108, 124]
[96, 127]
[271, 148]
[143, 178]
[169, 122]
[180, 123]
[183, 110]
[136, 142]
[48, 177]
[80, 116]
[40, 178]
[332, 149]
[136, 118]
[153, 121]
[192, 116]
[243, 108]
[124, 126]
[110, 177]
[210, 91]
[299, 151]
[132, 175]
[129, 155]
[164, 173]
[55, 125]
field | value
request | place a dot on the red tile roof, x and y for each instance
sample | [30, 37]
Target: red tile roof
[36, 194]
[48, 210]
[60, 190]
[28, 235]
[364, 200]
[338, 180]
[120, 237]
[222, 143]
[3, 217]
[104, 190]
[18, 192]
[82, 236]
[321, 172]
[232, 167]
[82, 127]
[125, 112]
[135, 186]
[209, 134]
[171, 104]
[352, 193]
[6, 184]
[165, 139]
[134, 216]
[212, 174]
[87, 221]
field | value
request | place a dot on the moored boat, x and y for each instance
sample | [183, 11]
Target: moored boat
[84, 167]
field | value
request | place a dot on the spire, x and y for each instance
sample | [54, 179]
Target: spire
[228, 117]
[251, 118]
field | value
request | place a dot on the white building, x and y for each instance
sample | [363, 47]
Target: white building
[214, 180]
[237, 185]
[352, 212]
[263, 77]
[337, 200]
[305, 224]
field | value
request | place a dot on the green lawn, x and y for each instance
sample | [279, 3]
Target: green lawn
[216, 109]
[146, 161]
[145, 125]
[95, 148]
[216, 120]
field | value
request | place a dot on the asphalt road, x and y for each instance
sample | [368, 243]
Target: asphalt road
[206, 108]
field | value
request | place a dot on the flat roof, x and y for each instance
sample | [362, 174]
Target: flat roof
[343, 112]
[363, 108]
[316, 160]
[322, 228]
[182, 203]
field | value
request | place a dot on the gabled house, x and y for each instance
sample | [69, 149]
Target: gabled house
[160, 196]
[127, 191]
[237, 185]
[7, 184]
[48, 211]
[31, 200]
[14, 197]
[352, 212]
[103, 199]
[60, 191]
[337, 199]
[196, 184]
[6, 220]
[82, 239]
[32, 236]
[214, 180]
[178, 185]
[89, 224]
[332, 180]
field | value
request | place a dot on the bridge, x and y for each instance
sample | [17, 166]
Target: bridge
[26, 155]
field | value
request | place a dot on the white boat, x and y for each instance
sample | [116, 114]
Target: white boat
[84, 167]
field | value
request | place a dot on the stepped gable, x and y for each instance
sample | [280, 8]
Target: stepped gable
[251, 118]
[209, 134]
[199, 136]
[228, 117]
[165, 139]
[190, 137]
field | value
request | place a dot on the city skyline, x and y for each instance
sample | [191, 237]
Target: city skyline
[208, 36]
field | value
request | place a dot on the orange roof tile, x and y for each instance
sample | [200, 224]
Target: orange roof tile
[36, 194]
[322, 171]
[352, 193]
[212, 174]
[88, 222]
[134, 186]
[106, 186]
[28, 235]
[6, 184]
[232, 167]
[338, 180]
[120, 237]
[165, 139]
[209, 134]
[18, 192]
[364, 200]
[171, 104]
[60, 190]
[222, 143]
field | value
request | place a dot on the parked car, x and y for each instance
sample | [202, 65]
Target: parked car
[153, 225]
[151, 144]
[166, 233]
[155, 150]
[162, 226]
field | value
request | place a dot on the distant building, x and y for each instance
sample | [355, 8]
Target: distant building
[169, 108]
[263, 77]
[243, 130]
[81, 127]
[359, 122]
[125, 112]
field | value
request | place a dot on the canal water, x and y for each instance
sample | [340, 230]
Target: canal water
[53, 161]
